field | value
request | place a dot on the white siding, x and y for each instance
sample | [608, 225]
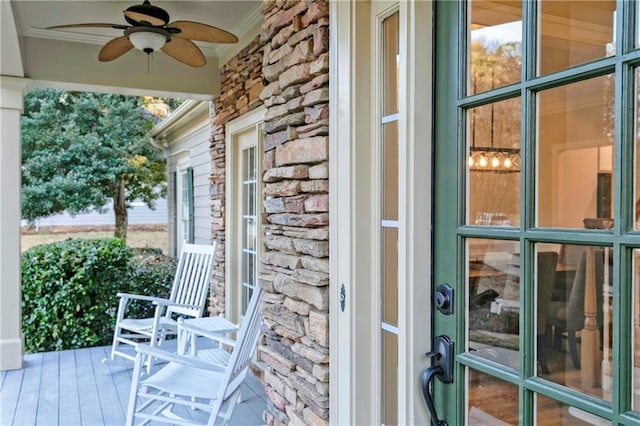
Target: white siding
[138, 214]
[195, 144]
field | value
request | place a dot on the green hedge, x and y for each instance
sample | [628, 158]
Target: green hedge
[69, 290]
[150, 274]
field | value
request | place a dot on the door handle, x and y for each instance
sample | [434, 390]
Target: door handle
[442, 368]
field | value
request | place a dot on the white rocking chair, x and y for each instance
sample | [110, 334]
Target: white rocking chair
[208, 379]
[188, 298]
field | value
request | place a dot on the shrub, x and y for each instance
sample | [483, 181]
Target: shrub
[151, 275]
[69, 290]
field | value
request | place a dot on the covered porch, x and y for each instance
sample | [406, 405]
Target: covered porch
[75, 387]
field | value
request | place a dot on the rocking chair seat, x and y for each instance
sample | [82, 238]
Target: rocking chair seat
[146, 324]
[186, 380]
[204, 379]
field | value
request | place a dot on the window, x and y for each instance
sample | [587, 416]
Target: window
[184, 231]
[243, 210]
[389, 223]
[249, 223]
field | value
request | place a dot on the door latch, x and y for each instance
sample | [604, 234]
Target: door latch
[443, 299]
[442, 368]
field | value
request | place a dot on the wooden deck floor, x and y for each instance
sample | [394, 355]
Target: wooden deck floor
[74, 387]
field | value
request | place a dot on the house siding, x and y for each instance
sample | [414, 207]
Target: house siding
[196, 144]
[285, 68]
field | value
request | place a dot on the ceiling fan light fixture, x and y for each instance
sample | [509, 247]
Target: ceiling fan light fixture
[147, 41]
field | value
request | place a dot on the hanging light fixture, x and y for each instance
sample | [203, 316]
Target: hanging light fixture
[148, 39]
[500, 160]
[492, 159]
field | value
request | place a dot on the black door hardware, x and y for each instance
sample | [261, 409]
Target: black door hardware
[443, 299]
[442, 368]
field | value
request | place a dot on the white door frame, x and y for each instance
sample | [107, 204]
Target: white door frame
[251, 121]
[353, 369]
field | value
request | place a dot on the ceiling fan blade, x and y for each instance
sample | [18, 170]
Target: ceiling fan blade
[114, 49]
[143, 17]
[90, 25]
[203, 32]
[184, 51]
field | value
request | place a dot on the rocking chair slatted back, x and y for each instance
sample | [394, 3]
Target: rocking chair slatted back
[191, 282]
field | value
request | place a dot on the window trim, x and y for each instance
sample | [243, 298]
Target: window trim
[233, 129]
[182, 166]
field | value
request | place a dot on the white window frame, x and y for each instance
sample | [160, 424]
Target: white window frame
[353, 369]
[249, 122]
[182, 165]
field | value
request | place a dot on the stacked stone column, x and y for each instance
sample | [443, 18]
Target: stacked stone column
[241, 84]
[295, 260]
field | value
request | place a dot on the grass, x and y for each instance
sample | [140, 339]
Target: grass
[138, 237]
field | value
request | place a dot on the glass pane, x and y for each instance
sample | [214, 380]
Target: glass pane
[575, 154]
[390, 276]
[493, 289]
[251, 152]
[491, 401]
[390, 378]
[637, 145]
[496, 44]
[245, 165]
[249, 234]
[251, 193]
[245, 267]
[185, 196]
[550, 412]
[637, 26]
[390, 171]
[636, 331]
[391, 60]
[251, 269]
[575, 32]
[494, 164]
[574, 328]
[546, 276]
[246, 297]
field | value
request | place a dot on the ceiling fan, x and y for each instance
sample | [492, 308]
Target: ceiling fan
[150, 30]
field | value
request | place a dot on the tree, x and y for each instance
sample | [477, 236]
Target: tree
[81, 149]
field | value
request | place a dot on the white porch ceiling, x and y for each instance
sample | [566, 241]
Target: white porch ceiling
[69, 58]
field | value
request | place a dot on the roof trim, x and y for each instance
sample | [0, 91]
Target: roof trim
[177, 119]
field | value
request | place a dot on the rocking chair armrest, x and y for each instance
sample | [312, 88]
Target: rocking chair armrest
[216, 336]
[153, 299]
[144, 350]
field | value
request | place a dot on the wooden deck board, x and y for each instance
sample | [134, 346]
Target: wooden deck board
[110, 404]
[90, 410]
[69, 403]
[49, 389]
[27, 407]
[9, 394]
[75, 387]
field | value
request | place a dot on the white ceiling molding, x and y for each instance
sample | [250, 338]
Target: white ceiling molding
[246, 32]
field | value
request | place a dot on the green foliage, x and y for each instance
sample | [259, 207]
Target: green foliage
[151, 275]
[69, 293]
[69, 290]
[77, 147]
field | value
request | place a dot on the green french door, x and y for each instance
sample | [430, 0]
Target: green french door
[536, 223]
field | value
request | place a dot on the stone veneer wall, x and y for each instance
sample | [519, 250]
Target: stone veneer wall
[287, 68]
[295, 261]
[241, 84]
